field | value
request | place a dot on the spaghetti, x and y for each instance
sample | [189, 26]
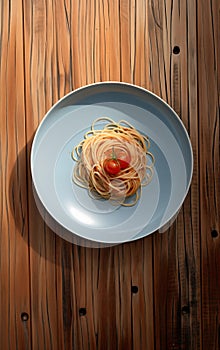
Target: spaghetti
[119, 143]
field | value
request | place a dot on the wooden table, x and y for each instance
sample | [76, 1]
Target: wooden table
[160, 292]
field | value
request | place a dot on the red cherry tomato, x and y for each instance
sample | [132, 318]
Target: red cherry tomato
[123, 164]
[112, 166]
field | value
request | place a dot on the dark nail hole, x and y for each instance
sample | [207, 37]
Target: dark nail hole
[24, 316]
[82, 311]
[214, 233]
[185, 310]
[134, 289]
[176, 50]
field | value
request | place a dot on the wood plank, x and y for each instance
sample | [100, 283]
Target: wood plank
[209, 89]
[14, 258]
[177, 252]
[47, 78]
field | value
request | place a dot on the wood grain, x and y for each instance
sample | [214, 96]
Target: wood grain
[177, 253]
[161, 292]
[208, 87]
[14, 257]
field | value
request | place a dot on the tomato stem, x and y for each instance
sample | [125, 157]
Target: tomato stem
[113, 153]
